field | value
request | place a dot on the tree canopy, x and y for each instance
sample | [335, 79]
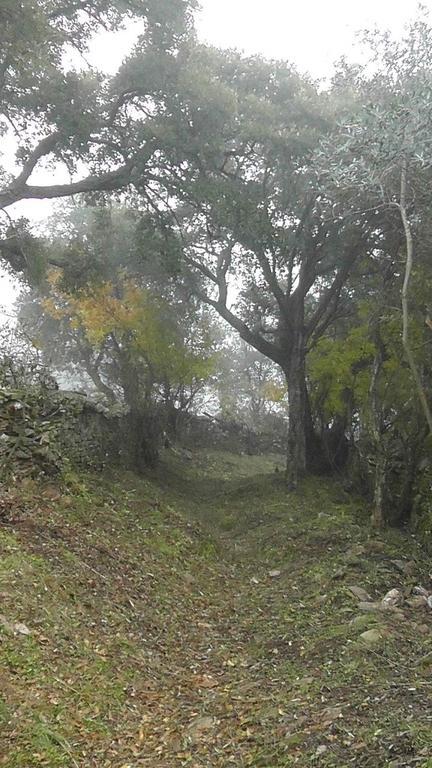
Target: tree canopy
[215, 184]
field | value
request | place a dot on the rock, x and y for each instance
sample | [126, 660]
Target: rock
[404, 566]
[417, 602]
[321, 750]
[14, 628]
[392, 598]
[366, 606]
[371, 637]
[274, 574]
[420, 591]
[21, 629]
[360, 593]
[429, 601]
[399, 564]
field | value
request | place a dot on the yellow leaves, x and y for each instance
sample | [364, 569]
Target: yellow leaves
[142, 324]
[101, 309]
[54, 276]
[53, 309]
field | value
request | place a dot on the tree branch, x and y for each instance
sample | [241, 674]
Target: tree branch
[45, 147]
[405, 307]
[105, 182]
[333, 292]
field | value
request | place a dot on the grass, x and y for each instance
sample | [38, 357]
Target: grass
[159, 637]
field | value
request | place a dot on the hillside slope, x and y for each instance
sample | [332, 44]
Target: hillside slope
[202, 617]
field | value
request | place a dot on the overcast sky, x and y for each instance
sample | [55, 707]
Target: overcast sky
[310, 33]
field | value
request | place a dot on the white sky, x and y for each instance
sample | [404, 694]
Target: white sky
[310, 33]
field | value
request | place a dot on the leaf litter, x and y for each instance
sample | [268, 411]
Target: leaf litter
[209, 660]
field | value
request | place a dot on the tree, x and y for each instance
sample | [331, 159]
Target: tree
[132, 333]
[70, 116]
[383, 151]
[250, 388]
[251, 211]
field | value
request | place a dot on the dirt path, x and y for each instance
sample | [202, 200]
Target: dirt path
[208, 621]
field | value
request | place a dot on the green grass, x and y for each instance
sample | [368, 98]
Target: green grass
[158, 637]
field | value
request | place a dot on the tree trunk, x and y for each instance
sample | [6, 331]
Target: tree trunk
[377, 429]
[296, 443]
[378, 516]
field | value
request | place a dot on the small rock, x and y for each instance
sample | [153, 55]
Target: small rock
[274, 574]
[399, 564]
[404, 566]
[417, 602]
[360, 593]
[420, 591]
[429, 601]
[21, 629]
[371, 637]
[321, 750]
[14, 628]
[393, 597]
[363, 606]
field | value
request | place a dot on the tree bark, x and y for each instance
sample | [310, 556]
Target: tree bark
[377, 429]
[378, 517]
[296, 442]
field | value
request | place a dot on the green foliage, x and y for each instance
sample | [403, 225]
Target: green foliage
[339, 371]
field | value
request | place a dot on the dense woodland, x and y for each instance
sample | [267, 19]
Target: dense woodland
[236, 240]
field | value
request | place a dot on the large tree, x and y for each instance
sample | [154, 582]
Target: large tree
[261, 242]
[75, 115]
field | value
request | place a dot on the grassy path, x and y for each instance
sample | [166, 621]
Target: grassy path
[201, 617]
